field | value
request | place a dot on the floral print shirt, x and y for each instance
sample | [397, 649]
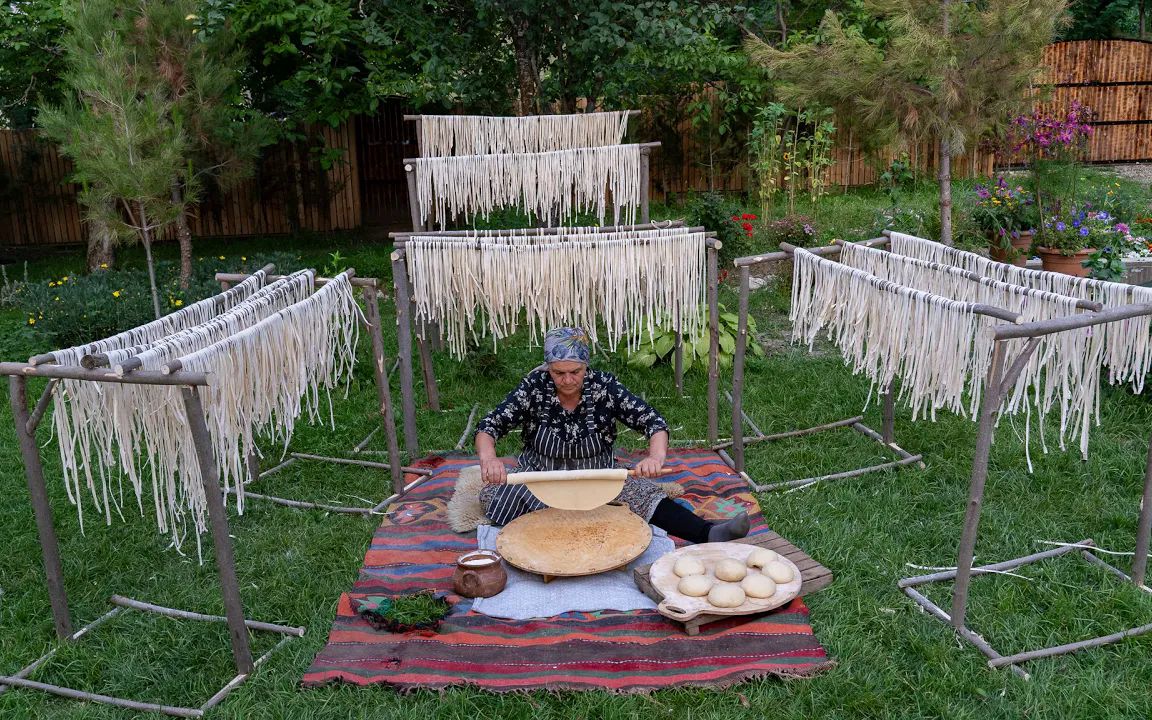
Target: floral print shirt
[559, 439]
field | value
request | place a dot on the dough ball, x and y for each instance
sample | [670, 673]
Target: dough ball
[759, 586]
[730, 570]
[760, 557]
[726, 596]
[695, 585]
[688, 565]
[780, 572]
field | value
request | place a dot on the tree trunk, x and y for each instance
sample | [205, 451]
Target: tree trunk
[146, 239]
[945, 192]
[183, 235]
[101, 245]
[526, 79]
[781, 22]
[945, 145]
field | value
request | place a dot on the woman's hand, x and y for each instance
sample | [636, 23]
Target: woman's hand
[493, 472]
[649, 467]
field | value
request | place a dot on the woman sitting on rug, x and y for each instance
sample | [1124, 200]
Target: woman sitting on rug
[568, 412]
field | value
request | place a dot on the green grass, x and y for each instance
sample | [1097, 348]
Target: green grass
[892, 660]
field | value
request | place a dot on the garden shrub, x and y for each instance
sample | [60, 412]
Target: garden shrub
[716, 212]
[798, 230]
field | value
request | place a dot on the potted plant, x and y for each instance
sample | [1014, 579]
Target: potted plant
[1007, 217]
[1069, 242]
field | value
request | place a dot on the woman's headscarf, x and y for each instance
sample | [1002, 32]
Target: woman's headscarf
[567, 343]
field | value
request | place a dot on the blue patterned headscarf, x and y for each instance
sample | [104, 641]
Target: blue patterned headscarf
[567, 343]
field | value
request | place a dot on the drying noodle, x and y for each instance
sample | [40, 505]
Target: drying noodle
[1062, 373]
[485, 135]
[283, 345]
[631, 282]
[1126, 344]
[547, 185]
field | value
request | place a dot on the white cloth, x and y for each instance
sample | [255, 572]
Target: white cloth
[527, 596]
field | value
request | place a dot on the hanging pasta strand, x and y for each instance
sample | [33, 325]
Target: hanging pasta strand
[1126, 345]
[549, 185]
[485, 287]
[442, 135]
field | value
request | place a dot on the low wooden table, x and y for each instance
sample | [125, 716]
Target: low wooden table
[815, 576]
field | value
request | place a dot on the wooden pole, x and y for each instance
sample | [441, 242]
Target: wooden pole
[416, 118]
[790, 434]
[643, 146]
[72, 372]
[645, 174]
[400, 237]
[738, 375]
[467, 428]
[1144, 524]
[413, 205]
[383, 391]
[888, 417]
[103, 699]
[41, 406]
[404, 350]
[423, 342]
[678, 363]
[1069, 647]
[713, 293]
[988, 412]
[128, 602]
[38, 492]
[361, 463]
[218, 518]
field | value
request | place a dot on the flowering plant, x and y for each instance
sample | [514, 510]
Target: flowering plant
[744, 221]
[1003, 211]
[1044, 136]
[1084, 229]
[798, 230]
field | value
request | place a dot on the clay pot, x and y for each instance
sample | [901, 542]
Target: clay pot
[1072, 264]
[479, 574]
[1018, 256]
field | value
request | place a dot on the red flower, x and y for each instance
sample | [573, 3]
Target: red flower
[735, 217]
[747, 227]
[747, 216]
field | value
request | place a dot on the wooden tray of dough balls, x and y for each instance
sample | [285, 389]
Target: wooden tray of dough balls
[744, 584]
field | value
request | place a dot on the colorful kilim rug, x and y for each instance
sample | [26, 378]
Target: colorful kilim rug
[414, 550]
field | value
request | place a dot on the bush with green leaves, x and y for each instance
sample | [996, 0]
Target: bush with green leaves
[798, 230]
[73, 309]
[715, 212]
[660, 347]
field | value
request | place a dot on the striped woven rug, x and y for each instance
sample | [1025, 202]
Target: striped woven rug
[637, 651]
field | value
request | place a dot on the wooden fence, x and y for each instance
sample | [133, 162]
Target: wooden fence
[292, 192]
[289, 191]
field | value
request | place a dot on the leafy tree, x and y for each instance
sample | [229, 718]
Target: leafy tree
[949, 72]
[118, 127]
[30, 57]
[1104, 19]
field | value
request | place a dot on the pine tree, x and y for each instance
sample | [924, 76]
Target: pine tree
[949, 72]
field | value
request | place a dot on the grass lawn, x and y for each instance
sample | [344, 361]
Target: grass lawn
[893, 661]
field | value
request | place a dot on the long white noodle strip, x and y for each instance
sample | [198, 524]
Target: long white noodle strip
[484, 134]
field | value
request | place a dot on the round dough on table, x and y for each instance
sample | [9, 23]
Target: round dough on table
[687, 566]
[724, 595]
[730, 570]
[760, 557]
[695, 585]
[758, 586]
[780, 572]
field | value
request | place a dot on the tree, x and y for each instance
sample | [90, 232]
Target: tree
[118, 126]
[199, 72]
[949, 72]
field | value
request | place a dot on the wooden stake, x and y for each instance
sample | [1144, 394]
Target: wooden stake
[840, 476]
[738, 374]
[988, 413]
[888, 417]
[431, 391]
[41, 406]
[218, 518]
[361, 463]
[645, 174]
[678, 363]
[1144, 523]
[413, 205]
[38, 492]
[383, 391]
[748, 439]
[713, 293]
[467, 427]
[404, 350]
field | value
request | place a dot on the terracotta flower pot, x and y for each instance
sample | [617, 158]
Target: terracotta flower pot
[1018, 255]
[1072, 264]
